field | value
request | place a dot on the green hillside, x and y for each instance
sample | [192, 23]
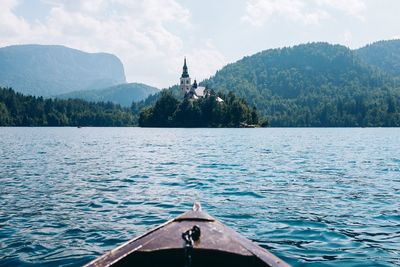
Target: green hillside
[314, 84]
[123, 94]
[383, 54]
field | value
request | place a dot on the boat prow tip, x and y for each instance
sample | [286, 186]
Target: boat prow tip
[196, 206]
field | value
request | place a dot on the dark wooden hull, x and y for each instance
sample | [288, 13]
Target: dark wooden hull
[218, 245]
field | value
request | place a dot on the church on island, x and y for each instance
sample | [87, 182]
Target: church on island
[192, 91]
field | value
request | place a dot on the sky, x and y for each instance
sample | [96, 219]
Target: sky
[151, 37]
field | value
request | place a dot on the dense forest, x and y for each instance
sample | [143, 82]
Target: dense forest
[168, 111]
[19, 110]
[315, 84]
[384, 55]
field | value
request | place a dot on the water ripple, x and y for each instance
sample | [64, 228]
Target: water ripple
[322, 197]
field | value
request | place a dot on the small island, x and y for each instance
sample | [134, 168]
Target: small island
[200, 107]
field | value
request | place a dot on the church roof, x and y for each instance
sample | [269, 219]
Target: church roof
[200, 91]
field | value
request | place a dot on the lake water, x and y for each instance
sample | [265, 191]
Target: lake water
[318, 197]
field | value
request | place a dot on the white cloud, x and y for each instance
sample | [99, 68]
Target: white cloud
[10, 24]
[89, 6]
[142, 33]
[259, 12]
[354, 8]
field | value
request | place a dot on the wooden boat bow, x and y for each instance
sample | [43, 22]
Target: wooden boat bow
[218, 245]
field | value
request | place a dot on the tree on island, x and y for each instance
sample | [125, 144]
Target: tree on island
[168, 111]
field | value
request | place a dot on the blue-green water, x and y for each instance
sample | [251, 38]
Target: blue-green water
[321, 197]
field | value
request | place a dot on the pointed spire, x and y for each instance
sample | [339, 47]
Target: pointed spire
[185, 73]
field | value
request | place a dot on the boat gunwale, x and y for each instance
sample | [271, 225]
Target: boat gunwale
[104, 256]
[256, 250]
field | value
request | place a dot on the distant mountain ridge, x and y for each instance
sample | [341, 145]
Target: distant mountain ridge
[123, 94]
[48, 70]
[384, 55]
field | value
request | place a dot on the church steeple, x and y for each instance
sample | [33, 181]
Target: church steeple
[186, 84]
[185, 73]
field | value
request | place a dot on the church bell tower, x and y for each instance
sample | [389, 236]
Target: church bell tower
[185, 79]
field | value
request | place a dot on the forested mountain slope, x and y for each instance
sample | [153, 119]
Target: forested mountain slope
[314, 84]
[384, 55]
